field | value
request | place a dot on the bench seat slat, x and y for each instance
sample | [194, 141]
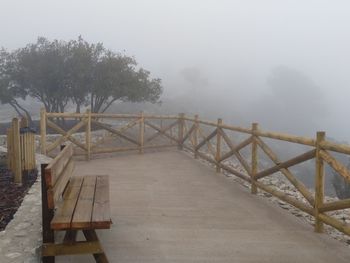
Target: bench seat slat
[63, 215]
[101, 218]
[83, 211]
[85, 204]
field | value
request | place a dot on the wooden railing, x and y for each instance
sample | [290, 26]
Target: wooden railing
[117, 126]
[215, 142]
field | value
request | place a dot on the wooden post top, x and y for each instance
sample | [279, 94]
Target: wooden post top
[321, 135]
[255, 127]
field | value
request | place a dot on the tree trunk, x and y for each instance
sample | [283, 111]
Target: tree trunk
[77, 110]
[22, 112]
[108, 105]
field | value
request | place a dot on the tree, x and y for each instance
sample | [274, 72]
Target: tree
[81, 63]
[116, 78]
[9, 91]
[57, 73]
[43, 73]
[293, 102]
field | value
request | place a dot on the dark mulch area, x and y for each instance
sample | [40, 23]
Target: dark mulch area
[35, 125]
[11, 194]
[5, 125]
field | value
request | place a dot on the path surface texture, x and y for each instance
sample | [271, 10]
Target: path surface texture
[169, 207]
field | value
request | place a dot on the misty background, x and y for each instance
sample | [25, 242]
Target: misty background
[283, 64]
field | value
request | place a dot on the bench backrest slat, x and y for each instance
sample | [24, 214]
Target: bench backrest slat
[61, 183]
[57, 165]
[58, 173]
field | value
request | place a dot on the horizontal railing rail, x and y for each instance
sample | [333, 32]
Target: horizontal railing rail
[213, 142]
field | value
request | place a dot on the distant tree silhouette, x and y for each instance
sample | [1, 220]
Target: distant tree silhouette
[9, 91]
[57, 73]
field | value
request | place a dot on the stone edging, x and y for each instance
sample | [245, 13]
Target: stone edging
[21, 240]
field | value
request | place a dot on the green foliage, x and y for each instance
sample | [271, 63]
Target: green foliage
[81, 65]
[58, 72]
[116, 78]
[42, 73]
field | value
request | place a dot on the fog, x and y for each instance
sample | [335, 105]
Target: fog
[284, 64]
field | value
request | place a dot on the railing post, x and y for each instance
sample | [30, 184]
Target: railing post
[254, 189]
[32, 151]
[218, 146]
[181, 130]
[142, 131]
[195, 135]
[43, 131]
[17, 151]
[88, 135]
[23, 148]
[10, 149]
[319, 182]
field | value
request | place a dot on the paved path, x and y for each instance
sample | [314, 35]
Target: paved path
[168, 207]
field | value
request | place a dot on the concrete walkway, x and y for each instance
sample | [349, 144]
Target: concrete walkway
[168, 207]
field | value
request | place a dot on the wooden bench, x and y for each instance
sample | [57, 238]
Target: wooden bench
[72, 204]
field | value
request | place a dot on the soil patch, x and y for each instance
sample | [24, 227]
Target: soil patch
[35, 125]
[11, 194]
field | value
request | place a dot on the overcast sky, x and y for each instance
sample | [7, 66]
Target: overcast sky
[233, 45]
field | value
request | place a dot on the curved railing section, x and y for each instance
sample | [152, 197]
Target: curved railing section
[215, 142]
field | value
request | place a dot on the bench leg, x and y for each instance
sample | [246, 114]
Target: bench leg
[91, 235]
[47, 215]
[70, 237]
[48, 259]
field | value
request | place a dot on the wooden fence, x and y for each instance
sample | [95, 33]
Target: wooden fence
[84, 122]
[20, 149]
[216, 142]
